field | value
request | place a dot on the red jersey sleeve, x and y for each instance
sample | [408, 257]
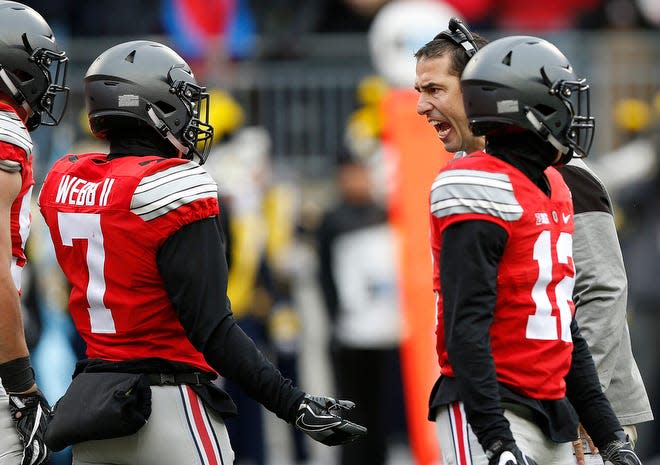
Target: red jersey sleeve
[16, 156]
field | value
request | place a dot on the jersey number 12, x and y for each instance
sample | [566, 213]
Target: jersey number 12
[542, 325]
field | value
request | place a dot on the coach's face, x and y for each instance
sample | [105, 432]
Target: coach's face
[441, 101]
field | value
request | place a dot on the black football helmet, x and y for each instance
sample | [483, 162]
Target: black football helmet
[527, 82]
[146, 83]
[32, 67]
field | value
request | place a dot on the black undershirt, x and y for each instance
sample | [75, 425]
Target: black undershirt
[142, 141]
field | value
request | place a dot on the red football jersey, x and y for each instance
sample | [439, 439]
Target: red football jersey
[16, 153]
[530, 334]
[107, 220]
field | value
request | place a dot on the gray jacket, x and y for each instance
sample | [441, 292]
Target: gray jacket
[600, 295]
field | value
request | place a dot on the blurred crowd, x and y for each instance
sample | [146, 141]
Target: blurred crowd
[238, 23]
[292, 268]
[88, 19]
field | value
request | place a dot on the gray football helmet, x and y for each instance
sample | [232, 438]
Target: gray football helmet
[146, 83]
[527, 82]
[32, 67]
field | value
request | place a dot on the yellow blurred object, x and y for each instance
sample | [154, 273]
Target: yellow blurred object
[363, 131]
[279, 209]
[247, 232]
[372, 89]
[365, 123]
[83, 121]
[632, 115]
[656, 104]
[284, 325]
[225, 114]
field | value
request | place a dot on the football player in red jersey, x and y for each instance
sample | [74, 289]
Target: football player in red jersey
[511, 356]
[138, 235]
[32, 92]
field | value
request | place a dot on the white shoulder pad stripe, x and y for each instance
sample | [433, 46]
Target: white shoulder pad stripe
[167, 190]
[472, 191]
[13, 131]
[499, 180]
[156, 180]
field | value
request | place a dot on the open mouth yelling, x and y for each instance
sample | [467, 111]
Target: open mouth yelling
[443, 128]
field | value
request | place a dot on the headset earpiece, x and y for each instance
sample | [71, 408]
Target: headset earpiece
[460, 35]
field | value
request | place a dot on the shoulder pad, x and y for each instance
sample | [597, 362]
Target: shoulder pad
[13, 131]
[166, 190]
[465, 191]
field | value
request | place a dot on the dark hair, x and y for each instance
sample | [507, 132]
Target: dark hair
[443, 46]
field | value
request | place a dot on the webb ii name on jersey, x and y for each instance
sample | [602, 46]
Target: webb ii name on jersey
[75, 191]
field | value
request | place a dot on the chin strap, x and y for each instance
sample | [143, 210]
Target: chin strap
[15, 93]
[543, 131]
[165, 131]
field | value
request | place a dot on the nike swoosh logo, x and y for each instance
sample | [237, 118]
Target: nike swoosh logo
[322, 423]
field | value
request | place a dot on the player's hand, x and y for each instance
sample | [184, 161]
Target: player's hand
[501, 453]
[620, 451]
[31, 414]
[318, 417]
[578, 445]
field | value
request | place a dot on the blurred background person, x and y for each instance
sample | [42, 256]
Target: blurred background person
[358, 276]
[639, 204]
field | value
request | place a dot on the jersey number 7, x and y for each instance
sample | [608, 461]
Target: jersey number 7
[87, 226]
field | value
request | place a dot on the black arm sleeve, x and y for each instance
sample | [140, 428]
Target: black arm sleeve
[471, 252]
[584, 392]
[193, 266]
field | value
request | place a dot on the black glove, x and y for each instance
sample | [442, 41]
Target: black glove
[31, 414]
[318, 417]
[620, 451]
[506, 453]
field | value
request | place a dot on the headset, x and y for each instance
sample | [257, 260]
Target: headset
[460, 35]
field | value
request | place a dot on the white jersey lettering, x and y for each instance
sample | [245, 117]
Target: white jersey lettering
[76, 191]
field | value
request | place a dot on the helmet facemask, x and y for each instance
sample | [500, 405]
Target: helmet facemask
[574, 139]
[47, 107]
[580, 132]
[54, 101]
[197, 136]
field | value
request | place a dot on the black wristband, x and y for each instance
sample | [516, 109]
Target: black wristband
[17, 375]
